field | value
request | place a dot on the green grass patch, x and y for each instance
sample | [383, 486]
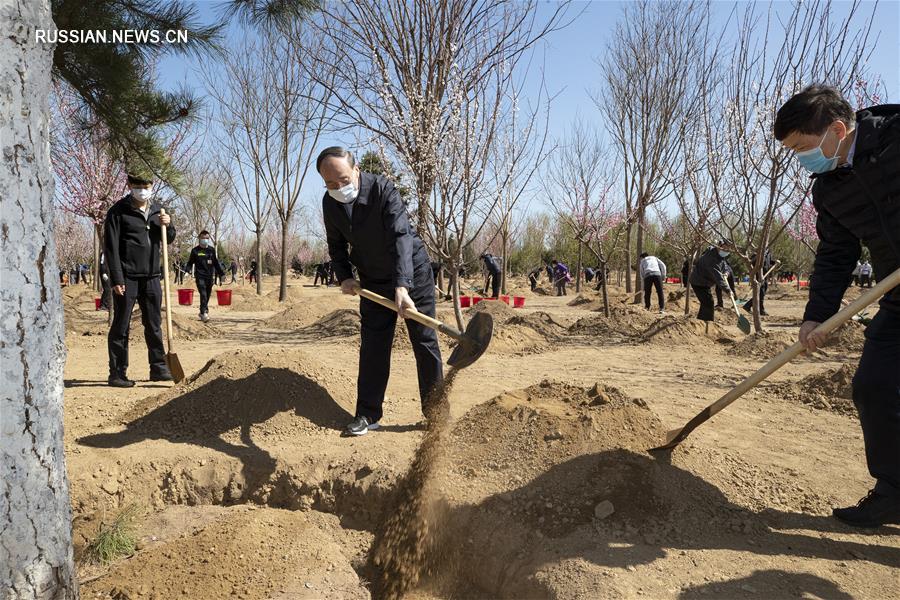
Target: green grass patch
[117, 539]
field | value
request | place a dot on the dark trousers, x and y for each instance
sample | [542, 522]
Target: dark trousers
[146, 292]
[204, 286]
[494, 282]
[561, 287]
[876, 393]
[233, 276]
[655, 281]
[865, 281]
[318, 276]
[707, 310]
[377, 335]
[533, 282]
[762, 299]
[105, 294]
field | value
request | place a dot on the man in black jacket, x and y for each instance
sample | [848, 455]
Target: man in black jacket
[709, 271]
[205, 266]
[855, 161]
[767, 263]
[132, 235]
[492, 266]
[366, 225]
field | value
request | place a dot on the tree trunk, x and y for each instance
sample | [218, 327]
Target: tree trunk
[602, 276]
[259, 256]
[757, 321]
[687, 286]
[35, 515]
[457, 310]
[282, 285]
[504, 238]
[639, 248]
[628, 232]
[580, 260]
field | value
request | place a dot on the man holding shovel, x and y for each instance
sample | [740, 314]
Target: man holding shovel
[855, 163]
[366, 227]
[132, 235]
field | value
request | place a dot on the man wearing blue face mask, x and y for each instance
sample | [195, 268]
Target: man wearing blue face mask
[206, 269]
[366, 226]
[855, 162]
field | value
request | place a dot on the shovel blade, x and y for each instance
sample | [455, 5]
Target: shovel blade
[474, 343]
[744, 324]
[175, 367]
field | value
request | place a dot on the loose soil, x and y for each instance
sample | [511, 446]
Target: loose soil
[535, 482]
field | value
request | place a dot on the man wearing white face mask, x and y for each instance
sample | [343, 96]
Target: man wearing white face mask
[855, 162]
[366, 226]
[132, 235]
[206, 267]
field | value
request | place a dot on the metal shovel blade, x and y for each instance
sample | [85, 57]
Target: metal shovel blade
[474, 341]
[175, 367]
[744, 324]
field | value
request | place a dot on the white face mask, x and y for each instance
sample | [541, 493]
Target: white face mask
[141, 194]
[344, 195]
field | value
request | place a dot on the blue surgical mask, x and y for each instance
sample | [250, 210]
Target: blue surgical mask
[204, 242]
[815, 160]
[724, 254]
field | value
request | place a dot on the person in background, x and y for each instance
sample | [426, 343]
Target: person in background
[533, 277]
[709, 271]
[492, 266]
[865, 275]
[685, 272]
[729, 279]
[106, 293]
[854, 275]
[252, 274]
[560, 277]
[322, 274]
[588, 274]
[131, 244]
[234, 269]
[178, 270]
[653, 273]
[206, 268]
[366, 226]
[549, 269]
[855, 161]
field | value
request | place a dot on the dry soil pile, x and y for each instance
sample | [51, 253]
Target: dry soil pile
[676, 330]
[246, 299]
[762, 345]
[298, 315]
[831, 390]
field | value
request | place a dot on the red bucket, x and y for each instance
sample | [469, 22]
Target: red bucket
[465, 301]
[476, 299]
[518, 301]
[223, 297]
[97, 303]
[185, 297]
[505, 299]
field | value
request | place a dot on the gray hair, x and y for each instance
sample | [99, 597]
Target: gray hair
[334, 151]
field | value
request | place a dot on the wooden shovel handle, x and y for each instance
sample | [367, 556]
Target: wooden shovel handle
[165, 266]
[797, 348]
[413, 314]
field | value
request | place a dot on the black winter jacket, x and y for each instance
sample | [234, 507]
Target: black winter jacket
[204, 262]
[131, 242]
[710, 269]
[857, 204]
[379, 240]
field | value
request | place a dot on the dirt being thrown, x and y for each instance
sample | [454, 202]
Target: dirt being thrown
[403, 546]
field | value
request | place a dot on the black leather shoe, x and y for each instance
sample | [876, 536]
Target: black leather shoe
[873, 510]
[119, 381]
[161, 376]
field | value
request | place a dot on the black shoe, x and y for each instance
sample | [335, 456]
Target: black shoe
[873, 510]
[763, 313]
[360, 426]
[119, 381]
[748, 307]
[162, 375]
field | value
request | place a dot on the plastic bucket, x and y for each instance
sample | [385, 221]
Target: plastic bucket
[185, 297]
[518, 301]
[223, 297]
[465, 301]
[505, 299]
[97, 303]
[476, 299]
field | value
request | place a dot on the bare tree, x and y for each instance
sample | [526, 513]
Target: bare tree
[648, 74]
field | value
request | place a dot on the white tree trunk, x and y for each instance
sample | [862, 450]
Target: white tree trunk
[35, 515]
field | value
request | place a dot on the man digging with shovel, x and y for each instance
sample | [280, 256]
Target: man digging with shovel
[366, 225]
[855, 163]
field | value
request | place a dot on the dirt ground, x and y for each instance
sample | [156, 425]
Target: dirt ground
[544, 488]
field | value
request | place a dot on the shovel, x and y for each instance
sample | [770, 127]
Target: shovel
[743, 322]
[171, 358]
[472, 343]
[676, 436]
[748, 304]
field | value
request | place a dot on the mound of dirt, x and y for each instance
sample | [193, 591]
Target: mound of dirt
[79, 322]
[582, 299]
[343, 322]
[831, 390]
[539, 291]
[244, 394]
[675, 330]
[501, 311]
[517, 340]
[298, 315]
[246, 299]
[542, 322]
[849, 337]
[762, 345]
[187, 328]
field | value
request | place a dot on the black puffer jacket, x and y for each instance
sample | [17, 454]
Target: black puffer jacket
[858, 204]
[131, 241]
[709, 270]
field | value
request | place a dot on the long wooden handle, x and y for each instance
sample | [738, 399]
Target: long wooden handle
[165, 266]
[797, 348]
[413, 314]
[769, 272]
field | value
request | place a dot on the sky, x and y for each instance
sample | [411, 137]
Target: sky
[569, 56]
